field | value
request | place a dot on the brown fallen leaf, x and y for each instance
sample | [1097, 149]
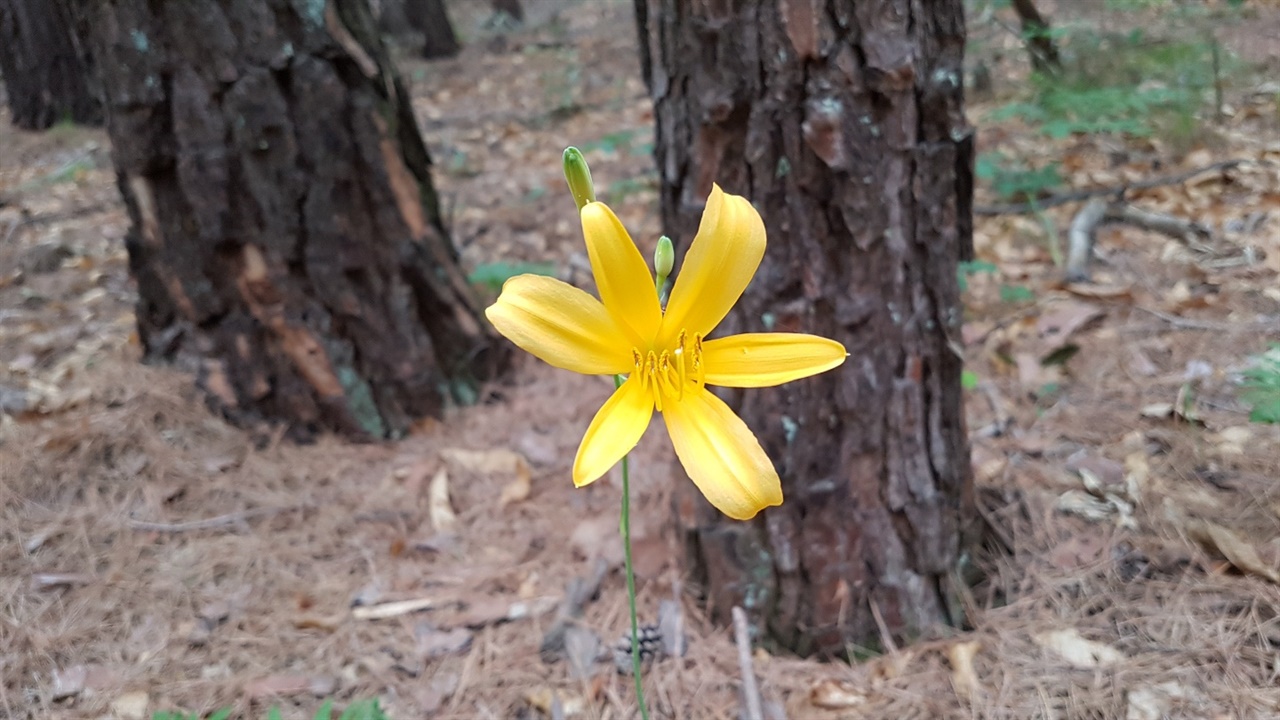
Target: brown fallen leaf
[443, 518]
[1063, 320]
[963, 677]
[597, 537]
[548, 701]
[283, 684]
[433, 642]
[495, 461]
[517, 490]
[831, 694]
[1239, 553]
[1078, 651]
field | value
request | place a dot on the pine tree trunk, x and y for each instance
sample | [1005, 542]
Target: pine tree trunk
[1041, 48]
[47, 75]
[286, 237]
[843, 121]
[512, 8]
[430, 18]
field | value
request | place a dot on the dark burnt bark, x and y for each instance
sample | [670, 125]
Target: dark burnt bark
[430, 18]
[47, 74]
[286, 238]
[1041, 48]
[843, 121]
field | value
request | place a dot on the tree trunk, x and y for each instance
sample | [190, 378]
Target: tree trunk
[1035, 33]
[46, 74]
[512, 8]
[392, 18]
[286, 237]
[843, 121]
[644, 42]
[430, 18]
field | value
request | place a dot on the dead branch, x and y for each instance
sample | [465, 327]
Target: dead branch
[1116, 192]
[1182, 323]
[1081, 236]
[753, 706]
[1084, 226]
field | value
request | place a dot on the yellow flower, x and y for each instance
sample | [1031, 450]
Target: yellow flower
[666, 355]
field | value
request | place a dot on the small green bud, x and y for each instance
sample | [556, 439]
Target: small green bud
[579, 177]
[664, 259]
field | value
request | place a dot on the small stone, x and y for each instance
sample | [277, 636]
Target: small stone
[68, 681]
[131, 705]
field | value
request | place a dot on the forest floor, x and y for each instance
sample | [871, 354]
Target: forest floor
[153, 558]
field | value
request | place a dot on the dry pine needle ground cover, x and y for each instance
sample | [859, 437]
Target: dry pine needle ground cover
[152, 558]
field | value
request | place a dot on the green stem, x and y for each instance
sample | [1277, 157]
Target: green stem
[624, 527]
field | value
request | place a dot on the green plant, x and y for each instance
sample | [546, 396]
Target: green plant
[1016, 294]
[1012, 180]
[1129, 84]
[1261, 385]
[493, 275]
[358, 710]
[968, 268]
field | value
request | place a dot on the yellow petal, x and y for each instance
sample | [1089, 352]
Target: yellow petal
[768, 359]
[562, 325]
[721, 455]
[614, 431]
[724, 255]
[622, 277]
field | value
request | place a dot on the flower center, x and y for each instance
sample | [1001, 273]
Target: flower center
[665, 374]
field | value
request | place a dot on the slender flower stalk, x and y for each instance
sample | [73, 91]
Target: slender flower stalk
[624, 528]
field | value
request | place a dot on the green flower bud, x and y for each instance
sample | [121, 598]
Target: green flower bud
[579, 177]
[664, 259]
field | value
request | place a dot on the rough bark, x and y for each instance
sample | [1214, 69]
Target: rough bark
[644, 42]
[286, 238]
[47, 74]
[512, 8]
[430, 18]
[392, 18]
[843, 121]
[1041, 48]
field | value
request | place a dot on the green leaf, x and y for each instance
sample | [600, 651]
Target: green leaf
[364, 710]
[968, 379]
[326, 711]
[493, 275]
[1016, 294]
[1261, 385]
[274, 713]
[222, 714]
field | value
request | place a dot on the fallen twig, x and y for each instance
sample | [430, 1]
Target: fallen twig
[1114, 191]
[1191, 324]
[1080, 238]
[1084, 226]
[393, 609]
[1002, 420]
[753, 706]
[221, 521]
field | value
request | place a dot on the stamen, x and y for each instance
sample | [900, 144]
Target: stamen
[699, 372]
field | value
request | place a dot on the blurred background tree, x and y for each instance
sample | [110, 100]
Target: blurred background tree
[46, 70]
[287, 241]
